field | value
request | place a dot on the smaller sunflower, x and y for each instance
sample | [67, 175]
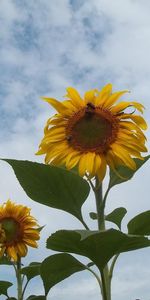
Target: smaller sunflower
[18, 229]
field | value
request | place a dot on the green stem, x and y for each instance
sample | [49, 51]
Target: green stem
[19, 279]
[84, 224]
[105, 196]
[96, 276]
[100, 206]
[90, 182]
[24, 289]
[112, 265]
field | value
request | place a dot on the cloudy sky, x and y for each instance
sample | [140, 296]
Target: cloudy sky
[46, 46]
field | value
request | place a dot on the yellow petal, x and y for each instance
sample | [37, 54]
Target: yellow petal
[70, 105]
[75, 97]
[60, 107]
[89, 96]
[55, 138]
[123, 155]
[97, 163]
[103, 94]
[138, 106]
[90, 164]
[12, 253]
[137, 119]
[72, 159]
[113, 98]
[34, 233]
[140, 137]
[21, 249]
[120, 107]
[102, 170]
[110, 159]
[133, 145]
[133, 151]
[56, 121]
[41, 151]
[131, 126]
[113, 162]
[73, 162]
[124, 104]
[55, 152]
[133, 141]
[31, 243]
[59, 160]
[83, 164]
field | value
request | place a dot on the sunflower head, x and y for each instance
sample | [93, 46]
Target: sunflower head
[94, 132]
[18, 229]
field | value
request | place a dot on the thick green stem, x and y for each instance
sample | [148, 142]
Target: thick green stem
[100, 206]
[19, 279]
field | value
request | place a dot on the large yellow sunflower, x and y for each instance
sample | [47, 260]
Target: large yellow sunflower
[18, 229]
[92, 132]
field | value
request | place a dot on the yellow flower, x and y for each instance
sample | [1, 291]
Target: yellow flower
[92, 132]
[18, 229]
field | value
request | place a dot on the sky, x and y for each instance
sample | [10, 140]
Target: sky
[46, 46]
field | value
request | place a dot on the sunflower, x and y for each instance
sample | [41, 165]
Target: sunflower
[94, 132]
[18, 229]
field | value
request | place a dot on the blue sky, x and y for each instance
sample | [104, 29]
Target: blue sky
[46, 46]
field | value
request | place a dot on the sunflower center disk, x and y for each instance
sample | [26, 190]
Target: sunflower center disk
[91, 132]
[2, 236]
[11, 229]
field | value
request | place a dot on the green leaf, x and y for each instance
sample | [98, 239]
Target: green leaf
[5, 261]
[93, 215]
[125, 173]
[40, 228]
[32, 270]
[4, 286]
[52, 186]
[116, 216]
[98, 246]
[57, 267]
[140, 224]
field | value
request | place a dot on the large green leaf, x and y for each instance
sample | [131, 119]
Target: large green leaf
[140, 224]
[4, 286]
[52, 186]
[124, 172]
[57, 267]
[32, 270]
[116, 216]
[98, 246]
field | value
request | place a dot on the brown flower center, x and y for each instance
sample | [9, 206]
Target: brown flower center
[92, 129]
[2, 235]
[11, 228]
